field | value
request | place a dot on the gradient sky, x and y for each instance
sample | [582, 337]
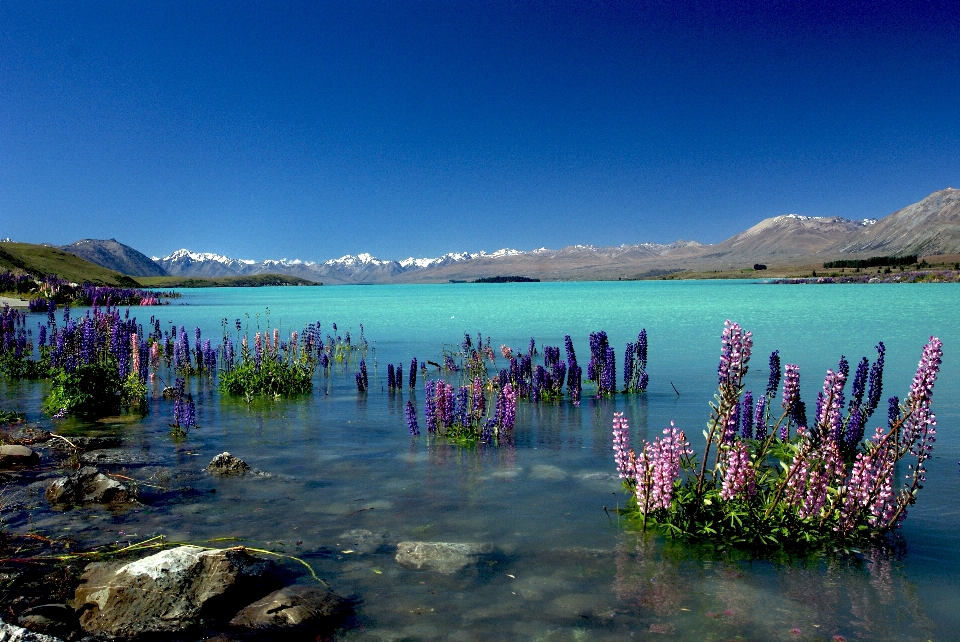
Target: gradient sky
[317, 129]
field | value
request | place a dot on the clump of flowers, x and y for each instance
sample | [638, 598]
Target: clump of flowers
[784, 482]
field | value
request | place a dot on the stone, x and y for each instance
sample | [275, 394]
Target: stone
[87, 485]
[293, 606]
[13, 633]
[227, 464]
[360, 540]
[170, 591]
[50, 619]
[12, 456]
[117, 457]
[442, 557]
[26, 435]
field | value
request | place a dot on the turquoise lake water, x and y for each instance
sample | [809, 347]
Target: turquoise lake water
[563, 568]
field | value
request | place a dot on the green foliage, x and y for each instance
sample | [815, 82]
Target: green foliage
[133, 392]
[93, 390]
[11, 417]
[24, 367]
[275, 377]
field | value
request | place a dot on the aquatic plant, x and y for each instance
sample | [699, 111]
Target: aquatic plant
[635, 378]
[184, 410]
[786, 483]
[274, 368]
[464, 415]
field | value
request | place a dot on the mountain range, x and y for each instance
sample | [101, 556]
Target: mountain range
[929, 227]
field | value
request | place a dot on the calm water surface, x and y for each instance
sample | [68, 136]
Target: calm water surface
[346, 476]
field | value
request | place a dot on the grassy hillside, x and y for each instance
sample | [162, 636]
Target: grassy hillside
[41, 260]
[253, 281]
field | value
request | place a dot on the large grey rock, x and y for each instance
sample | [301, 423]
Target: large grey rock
[12, 456]
[169, 591]
[86, 485]
[443, 557]
[293, 606]
[13, 633]
[227, 464]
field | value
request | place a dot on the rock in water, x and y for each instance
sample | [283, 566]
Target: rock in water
[87, 485]
[50, 619]
[13, 456]
[12, 633]
[443, 557]
[227, 464]
[169, 591]
[293, 606]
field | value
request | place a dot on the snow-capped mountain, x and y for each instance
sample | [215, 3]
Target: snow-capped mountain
[366, 268]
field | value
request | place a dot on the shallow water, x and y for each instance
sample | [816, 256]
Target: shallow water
[562, 567]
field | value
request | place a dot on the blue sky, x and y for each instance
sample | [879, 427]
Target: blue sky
[317, 129]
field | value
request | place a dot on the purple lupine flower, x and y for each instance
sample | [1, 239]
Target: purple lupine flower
[509, 399]
[413, 373]
[791, 386]
[363, 373]
[774, 381]
[628, 357]
[859, 382]
[875, 390]
[656, 467]
[430, 404]
[479, 399]
[445, 403]
[869, 490]
[461, 407]
[608, 376]
[41, 335]
[830, 407]
[391, 383]
[739, 475]
[621, 446]
[919, 430]
[893, 410]
[732, 425]
[812, 472]
[411, 416]
[855, 426]
[798, 416]
[746, 416]
[760, 419]
[735, 349]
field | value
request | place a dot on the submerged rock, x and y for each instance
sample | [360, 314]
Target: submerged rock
[13, 633]
[360, 540]
[87, 485]
[117, 457]
[12, 456]
[227, 464]
[443, 557]
[169, 591]
[293, 606]
[50, 619]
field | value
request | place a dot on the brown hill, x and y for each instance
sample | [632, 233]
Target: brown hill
[931, 226]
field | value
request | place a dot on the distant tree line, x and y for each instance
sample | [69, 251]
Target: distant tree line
[873, 261]
[506, 279]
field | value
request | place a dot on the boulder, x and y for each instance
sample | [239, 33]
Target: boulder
[12, 633]
[443, 557]
[293, 606]
[87, 485]
[13, 456]
[50, 619]
[227, 464]
[173, 590]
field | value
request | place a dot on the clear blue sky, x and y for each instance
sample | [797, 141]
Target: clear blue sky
[316, 129]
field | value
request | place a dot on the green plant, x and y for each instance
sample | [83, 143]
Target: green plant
[93, 389]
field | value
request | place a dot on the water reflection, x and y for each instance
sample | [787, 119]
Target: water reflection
[668, 588]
